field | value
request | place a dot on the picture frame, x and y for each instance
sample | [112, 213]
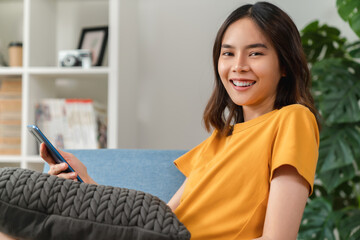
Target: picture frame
[95, 40]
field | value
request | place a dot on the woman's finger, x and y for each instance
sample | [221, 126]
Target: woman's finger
[44, 154]
[56, 169]
[71, 175]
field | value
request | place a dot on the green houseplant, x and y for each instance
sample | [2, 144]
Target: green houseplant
[333, 212]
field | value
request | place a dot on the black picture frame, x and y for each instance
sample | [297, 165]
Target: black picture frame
[95, 40]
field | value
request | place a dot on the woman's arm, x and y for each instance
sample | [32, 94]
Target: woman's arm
[287, 199]
[175, 200]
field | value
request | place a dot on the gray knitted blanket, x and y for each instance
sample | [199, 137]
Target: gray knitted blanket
[38, 206]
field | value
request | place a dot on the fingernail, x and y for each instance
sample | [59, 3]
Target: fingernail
[63, 165]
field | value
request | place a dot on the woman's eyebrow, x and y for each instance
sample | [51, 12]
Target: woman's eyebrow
[226, 46]
[254, 45]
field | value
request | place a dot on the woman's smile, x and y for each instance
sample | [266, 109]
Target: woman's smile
[242, 84]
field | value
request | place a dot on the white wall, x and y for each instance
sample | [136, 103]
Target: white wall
[175, 67]
[175, 62]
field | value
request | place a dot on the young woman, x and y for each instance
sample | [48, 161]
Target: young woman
[251, 178]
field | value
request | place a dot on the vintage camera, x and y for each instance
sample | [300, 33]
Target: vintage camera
[75, 58]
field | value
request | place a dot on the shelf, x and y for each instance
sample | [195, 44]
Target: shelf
[10, 158]
[53, 82]
[96, 73]
[11, 71]
[68, 72]
[54, 71]
[18, 159]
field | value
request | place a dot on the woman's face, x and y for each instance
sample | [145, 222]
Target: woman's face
[249, 67]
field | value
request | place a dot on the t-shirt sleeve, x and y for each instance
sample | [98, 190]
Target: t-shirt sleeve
[297, 144]
[186, 162]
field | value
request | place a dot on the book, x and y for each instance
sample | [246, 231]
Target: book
[10, 115]
[72, 123]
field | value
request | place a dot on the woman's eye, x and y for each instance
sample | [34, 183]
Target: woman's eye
[227, 54]
[255, 54]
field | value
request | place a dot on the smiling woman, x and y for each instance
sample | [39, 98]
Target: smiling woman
[252, 177]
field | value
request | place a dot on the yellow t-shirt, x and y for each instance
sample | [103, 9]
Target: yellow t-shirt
[229, 177]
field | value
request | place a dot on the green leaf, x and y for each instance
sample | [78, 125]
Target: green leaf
[344, 196]
[350, 224]
[319, 220]
[354, 49]
[335, 148]
[349, 10]
[354, 22]
[335, 177]
[346, 7]
[321, 42]
[354, 137]
[339, 90]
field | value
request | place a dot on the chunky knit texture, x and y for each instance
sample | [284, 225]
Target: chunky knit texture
[124, 210]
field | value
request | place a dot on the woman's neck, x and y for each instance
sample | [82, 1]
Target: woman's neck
[252, 112]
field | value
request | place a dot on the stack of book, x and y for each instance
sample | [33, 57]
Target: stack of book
[72, 123]
[10, 115]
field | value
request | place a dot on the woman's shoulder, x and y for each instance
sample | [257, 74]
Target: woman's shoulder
[295, 113]
[295, 110]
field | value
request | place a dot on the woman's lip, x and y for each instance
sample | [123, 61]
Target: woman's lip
[242, 84]
[242, 80]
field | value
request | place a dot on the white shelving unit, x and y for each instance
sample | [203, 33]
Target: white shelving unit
[47, 26]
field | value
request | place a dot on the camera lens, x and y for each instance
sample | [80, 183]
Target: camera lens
[70, 61]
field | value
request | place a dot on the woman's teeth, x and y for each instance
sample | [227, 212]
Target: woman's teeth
[243, 84]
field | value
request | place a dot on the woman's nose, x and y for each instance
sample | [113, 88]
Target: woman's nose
[240, 64]
[241, 67]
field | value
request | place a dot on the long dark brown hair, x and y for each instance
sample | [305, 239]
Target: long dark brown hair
[221, 112]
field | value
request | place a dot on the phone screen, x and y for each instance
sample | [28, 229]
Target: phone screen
[41, 138]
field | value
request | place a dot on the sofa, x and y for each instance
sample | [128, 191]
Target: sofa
[151, 171]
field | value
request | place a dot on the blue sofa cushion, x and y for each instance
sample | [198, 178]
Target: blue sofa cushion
[147, 170]
[38, 206]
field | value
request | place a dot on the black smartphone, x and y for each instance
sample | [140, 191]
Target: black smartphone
[40, 137]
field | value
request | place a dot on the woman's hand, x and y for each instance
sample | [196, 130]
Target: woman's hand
[57, 169]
